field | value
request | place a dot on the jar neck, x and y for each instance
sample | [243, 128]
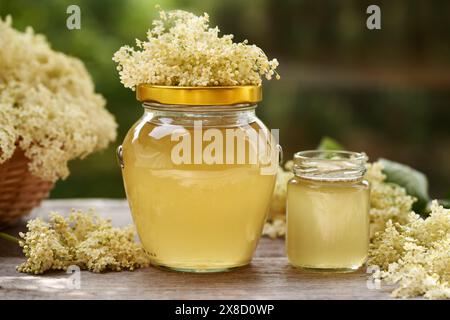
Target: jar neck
[217, 116]
[330, 166]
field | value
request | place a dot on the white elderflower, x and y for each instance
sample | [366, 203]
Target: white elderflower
[415, 255]
[43, 249]
[278, 203]
[276, 224]
[388, 201]
[183, 50]
[83, 239]
[48, 105]
[275, 228]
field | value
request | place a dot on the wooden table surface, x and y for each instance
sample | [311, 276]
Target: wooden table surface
[268, 277]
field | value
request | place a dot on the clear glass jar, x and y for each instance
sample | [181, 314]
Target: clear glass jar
[328, 211]
[194, 209]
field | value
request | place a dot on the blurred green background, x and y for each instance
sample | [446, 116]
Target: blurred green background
[386, 92]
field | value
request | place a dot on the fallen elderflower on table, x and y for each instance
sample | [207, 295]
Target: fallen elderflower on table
[83, 239]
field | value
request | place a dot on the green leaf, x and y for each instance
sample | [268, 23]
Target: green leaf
[447, 196]
[328, 143]
[445, 203]
[414, 182]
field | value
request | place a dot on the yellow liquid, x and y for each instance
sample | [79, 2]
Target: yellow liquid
[327, 224]
[193, 217]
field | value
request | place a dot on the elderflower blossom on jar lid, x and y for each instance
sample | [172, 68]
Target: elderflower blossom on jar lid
[182, 50]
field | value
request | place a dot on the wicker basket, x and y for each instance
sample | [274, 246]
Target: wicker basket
[20, 191]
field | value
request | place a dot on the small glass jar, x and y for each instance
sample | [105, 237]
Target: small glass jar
[198, 209]
[328, 211]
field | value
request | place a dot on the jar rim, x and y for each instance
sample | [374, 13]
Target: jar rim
[338, 155]
[330, 165]
[199, 96]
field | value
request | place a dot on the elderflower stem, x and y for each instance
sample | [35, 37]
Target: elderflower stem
[9, 237]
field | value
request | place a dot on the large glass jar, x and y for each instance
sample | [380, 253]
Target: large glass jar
[328, 211]
[198, 195]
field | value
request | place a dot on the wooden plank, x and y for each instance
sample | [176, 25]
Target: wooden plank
[268, 277]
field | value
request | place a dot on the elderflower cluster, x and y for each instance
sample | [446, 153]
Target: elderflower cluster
[48, 106]
[275, 228]
[182, 50]
[276, 224]
[82, 239]
[415, 255]
[388, 201]
[278, 203]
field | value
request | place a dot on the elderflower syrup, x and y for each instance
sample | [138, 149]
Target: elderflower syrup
[199, 170]
[328, 211]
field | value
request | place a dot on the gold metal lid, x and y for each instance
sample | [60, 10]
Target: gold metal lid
[199, 96]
